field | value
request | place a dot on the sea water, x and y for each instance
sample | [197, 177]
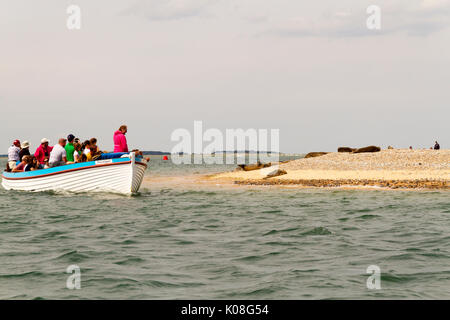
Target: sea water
[180, 239]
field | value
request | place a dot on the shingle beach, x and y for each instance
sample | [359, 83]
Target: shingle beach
[394, 168]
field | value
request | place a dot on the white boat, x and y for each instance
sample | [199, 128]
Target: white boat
[118, 175]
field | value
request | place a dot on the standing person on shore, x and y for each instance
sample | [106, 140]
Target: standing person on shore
[437, 146]
[25, 149]
[58, 156]
[70, 148]
[120, 141]
[42, 153]
[13, 154]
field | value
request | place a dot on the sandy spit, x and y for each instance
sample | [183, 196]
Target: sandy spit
[400, 168]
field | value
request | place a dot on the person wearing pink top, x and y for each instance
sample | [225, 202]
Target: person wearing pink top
[120, 141]
[42, 153]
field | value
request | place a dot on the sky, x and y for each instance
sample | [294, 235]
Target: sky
[311, 69]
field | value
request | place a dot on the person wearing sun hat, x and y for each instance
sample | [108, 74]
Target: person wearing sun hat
[25, 149]
[42, 153]
[13, 154]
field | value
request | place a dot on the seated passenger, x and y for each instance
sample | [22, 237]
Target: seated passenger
[77, 153]
[13, 154]
[93, 142]
[70, 148]
[25, 165]
[25, 149]
[35, 164]
[86, 147]
[89, 154]
[58, 155]
[42, 153]
[94, 152]
[82, 158]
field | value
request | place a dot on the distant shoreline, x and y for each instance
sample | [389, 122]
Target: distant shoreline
[163, 153]
[149, 153]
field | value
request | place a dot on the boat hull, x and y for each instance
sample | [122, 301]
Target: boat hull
[124, 175]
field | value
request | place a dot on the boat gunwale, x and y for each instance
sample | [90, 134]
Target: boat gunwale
[95, 165]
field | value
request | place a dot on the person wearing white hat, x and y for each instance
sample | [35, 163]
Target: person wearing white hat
[25, 151]
[42, 153]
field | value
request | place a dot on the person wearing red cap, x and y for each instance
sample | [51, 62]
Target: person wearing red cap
[13, 154]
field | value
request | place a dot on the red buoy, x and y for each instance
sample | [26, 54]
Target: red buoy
[165, 158]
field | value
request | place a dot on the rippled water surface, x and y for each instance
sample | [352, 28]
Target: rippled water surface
[179, 239]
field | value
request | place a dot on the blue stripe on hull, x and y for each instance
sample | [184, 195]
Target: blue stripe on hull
[61, 169]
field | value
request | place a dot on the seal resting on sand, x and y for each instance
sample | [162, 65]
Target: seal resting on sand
[368, 149]
[315, 154]
[275, 173]
[255, 166]
[346, 149]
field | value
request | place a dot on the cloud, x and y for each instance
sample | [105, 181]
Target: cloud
[337, 24]
[435, 4]
[415, 18]
[168, 9]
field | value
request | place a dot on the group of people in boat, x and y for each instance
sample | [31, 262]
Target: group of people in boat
[66, 151]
